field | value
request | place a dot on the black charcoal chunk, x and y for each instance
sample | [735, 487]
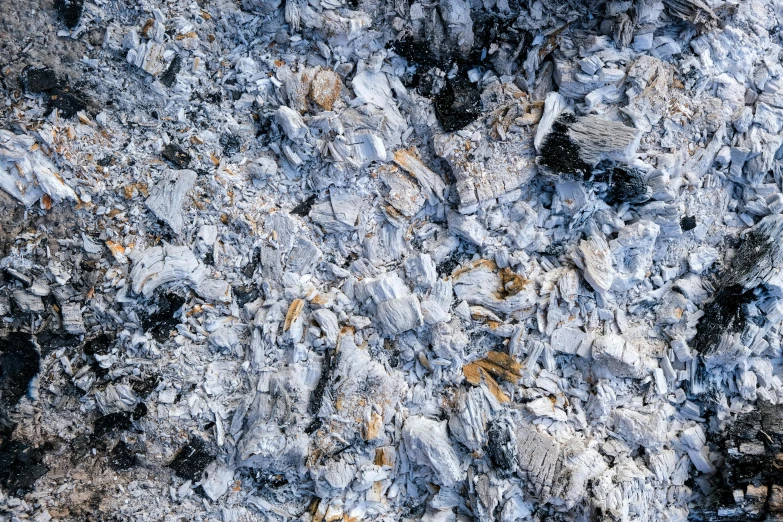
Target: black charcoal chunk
[139, 411]
[178, 157]
[7, 427]
[688, 223]
[162, 321]
[66, 103]
[70, 11]
[38, 79]
[122, 458]
[722, 314]
[458, 104]
[112, 422]
[50, 341]
[303, 208]
[329, 363]
[626, 186]
[19, 363]
[499, 446]
[415, 51]
[170, 76]
[191, 460]
[771, 419]
[20, 466]
[759, 256]
[560, 153]
[146, 385]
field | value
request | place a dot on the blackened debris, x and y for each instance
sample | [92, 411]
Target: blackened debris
[446, 267]
[313, 426]
[139, 411]
[245, 294]
[7, 426]
[70, 11]
[231, 143]
[191, 460]
[105, 161]
[38, 79]
[169, 77]
[327, 367]
[752, 452]
[97, 346]
[750, 253]
[303, 208]
[117, 421]
[688, 223]
[50, 341]
[122, 458]
[560, 153]
[415, 51]
[458, 104]
[272, 481]
[722, 314]
[20, 465]
[161, 322]
[145, 386]
[625, 186]
[176, 155]
[499, 446]
[67, 103]
[19, 363]
[771, 419]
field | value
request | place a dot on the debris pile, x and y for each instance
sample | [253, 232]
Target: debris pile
[385, 260]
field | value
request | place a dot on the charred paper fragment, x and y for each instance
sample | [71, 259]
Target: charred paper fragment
[472, 413]
[430, 181]
[626, 185]
[482, 283]
[167, 196]
[694, 11]
[161, 320]
[501, 446]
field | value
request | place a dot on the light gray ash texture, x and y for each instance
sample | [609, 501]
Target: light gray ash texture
[346, 260]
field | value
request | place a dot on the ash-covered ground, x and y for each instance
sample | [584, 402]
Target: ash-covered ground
[391, 260]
